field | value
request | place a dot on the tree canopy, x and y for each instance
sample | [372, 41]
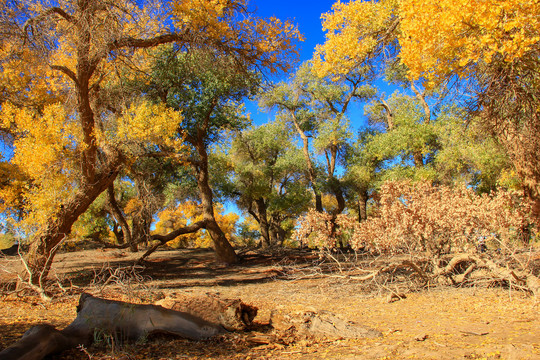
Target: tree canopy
[128, 121]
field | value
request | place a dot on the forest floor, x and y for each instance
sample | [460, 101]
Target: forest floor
[477, 322]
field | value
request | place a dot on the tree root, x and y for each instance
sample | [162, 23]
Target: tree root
[458, 270]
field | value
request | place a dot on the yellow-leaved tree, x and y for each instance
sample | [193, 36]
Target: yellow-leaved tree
[493, 47]
[65, 73]
[357, 32]
[190, 212]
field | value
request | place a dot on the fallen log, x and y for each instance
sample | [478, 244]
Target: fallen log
[122, 320]
[232, 314]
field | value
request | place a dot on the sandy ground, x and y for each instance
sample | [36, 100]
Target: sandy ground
[439, 323]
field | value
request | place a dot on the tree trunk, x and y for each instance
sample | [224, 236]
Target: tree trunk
[362, 206]
[222, 246]
[45, 243]
[418, 159]
[311, 168]
[277, 234]
[262, 215]
[118, 234]
[421, 97]
[335, 185]
[119, 216]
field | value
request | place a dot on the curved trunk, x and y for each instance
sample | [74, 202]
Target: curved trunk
[117, 213]
[45, 243]
[222, 246]
[58, 225]
[338, 194]
[311, 168]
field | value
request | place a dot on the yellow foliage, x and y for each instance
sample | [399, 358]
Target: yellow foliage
[133, 206]
[42, 149]
[149, 124]
[13, 185]
[188, 213]
[448, 36]
[224, 20]
[207, 15]
[26, 78]
[45, 155]
[354, 30]
[436, 37]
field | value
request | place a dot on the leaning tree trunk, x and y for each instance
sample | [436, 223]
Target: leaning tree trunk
[116, 212]
[311, 168]
[222, 246]
[45, 243]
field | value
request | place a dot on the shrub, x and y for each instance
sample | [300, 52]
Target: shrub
[323, 230]
[419, 217]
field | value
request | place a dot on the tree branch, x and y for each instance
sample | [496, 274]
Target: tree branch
[188, 229]
[67, 72]
[421, 97]
[54, 10]
[389, 114]
[129, 42]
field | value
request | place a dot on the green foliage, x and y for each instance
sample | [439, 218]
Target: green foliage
[267, 175]
[471, 156]
[206, 87]
[408, 133]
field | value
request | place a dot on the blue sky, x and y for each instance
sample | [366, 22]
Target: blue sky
[307, 15]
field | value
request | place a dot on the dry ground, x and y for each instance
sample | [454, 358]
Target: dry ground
[439, 323]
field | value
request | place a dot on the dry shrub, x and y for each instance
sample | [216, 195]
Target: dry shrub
[420, 217]
[322, 230]
[325, 231]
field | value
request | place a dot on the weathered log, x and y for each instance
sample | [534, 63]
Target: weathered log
[122, 320]
[233, 315]
[40, 341]
[319, 324]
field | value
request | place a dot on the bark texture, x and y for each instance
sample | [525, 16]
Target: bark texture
[232, 314]
[319, 324]
[122, 320]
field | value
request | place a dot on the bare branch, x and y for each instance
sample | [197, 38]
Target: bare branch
[389, 114]
[50, 11]
[421, 97]
[163, 239]
[67, 72]
[188, 229]
[129, 42]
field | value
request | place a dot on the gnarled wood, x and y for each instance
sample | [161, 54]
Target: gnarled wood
[319, 324]
[233, 315]
[122, 320]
